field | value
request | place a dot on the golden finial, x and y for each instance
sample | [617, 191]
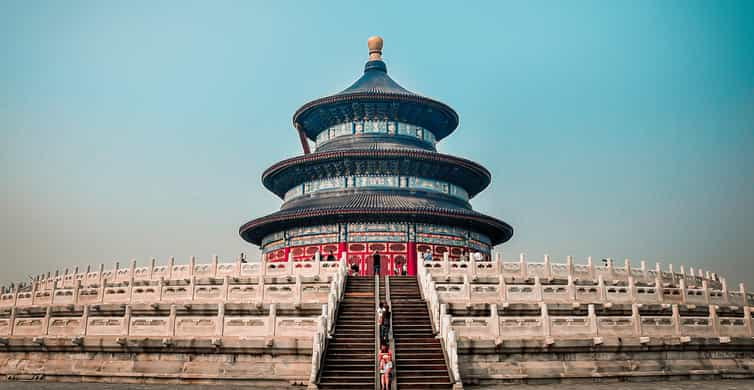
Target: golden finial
[375, 48]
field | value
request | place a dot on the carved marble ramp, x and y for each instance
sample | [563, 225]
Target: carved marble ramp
[350, 356]
[420, 362]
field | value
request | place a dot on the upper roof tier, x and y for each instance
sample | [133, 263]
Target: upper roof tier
[375, 96]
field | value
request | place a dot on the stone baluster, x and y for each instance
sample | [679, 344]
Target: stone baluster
[658, 283]
[522, 265]
[213, 270]
[84, 321]
[192, 265]
[571, 289]
[101, 279]
[290, 264]
[714, 320]
[706, 288]
[298, 292]
[152, 263]
[676, 320]
[748, 320]
[131, 272]
[76, 288]
[592, 319]
[172, 320]
[260, 291]
[501, 288]
[126, 331]
[627, 266]
[537, 289]
[272, 319]
[219, 329]
[545, 318]
[726, 298]
[171, 264]
[742, 289]
[14, 309]
[682, 286]
[16, 290]
[636, 320]
[547, 274]
[700, 272]
[569, 267]
[590, 267]
[161, 287]
[601, 288]
[192, 286]
[631, 288]
[48, 315]
[467, 290]
[499, 263]
[495, 323]
[683, 270]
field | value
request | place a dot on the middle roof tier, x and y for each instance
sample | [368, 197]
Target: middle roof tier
[287, 174]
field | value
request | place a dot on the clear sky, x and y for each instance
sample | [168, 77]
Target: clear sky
[620, 129]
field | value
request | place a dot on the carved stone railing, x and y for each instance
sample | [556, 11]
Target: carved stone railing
[593, 325]
[610, 273]
[43, 286]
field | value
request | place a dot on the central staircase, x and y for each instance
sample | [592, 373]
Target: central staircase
[350, 356]
[419, 358]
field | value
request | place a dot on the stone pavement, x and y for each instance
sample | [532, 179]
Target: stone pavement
[713, 384]
[664, 385]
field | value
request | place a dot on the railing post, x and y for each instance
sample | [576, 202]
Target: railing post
[714, 320]
[676, 320]
[172, 321]
[747, 320]
[545, 318]
[272, 319]
[151, 268]
[522, 265]
[726, 298]
[220, 329]
[636, 319]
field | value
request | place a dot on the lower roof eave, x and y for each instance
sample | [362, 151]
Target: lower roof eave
[254, 231]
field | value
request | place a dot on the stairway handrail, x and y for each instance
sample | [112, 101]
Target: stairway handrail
[377, 384]
[326, 324]
[440, 324]
[391, 339]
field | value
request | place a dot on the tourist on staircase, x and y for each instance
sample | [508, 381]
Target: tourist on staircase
[386, 367]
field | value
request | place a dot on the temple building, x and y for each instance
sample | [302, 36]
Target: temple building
[305, 312]
[375, 181]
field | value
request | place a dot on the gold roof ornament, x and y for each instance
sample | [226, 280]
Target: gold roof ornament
[375, 48]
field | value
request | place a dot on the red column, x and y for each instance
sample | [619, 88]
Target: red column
[287, 252]
[411, 266]
[341, 250]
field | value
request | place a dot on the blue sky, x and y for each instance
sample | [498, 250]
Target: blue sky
[617, 129]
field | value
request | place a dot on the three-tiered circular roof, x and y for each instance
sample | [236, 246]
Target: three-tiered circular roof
[376, 97]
